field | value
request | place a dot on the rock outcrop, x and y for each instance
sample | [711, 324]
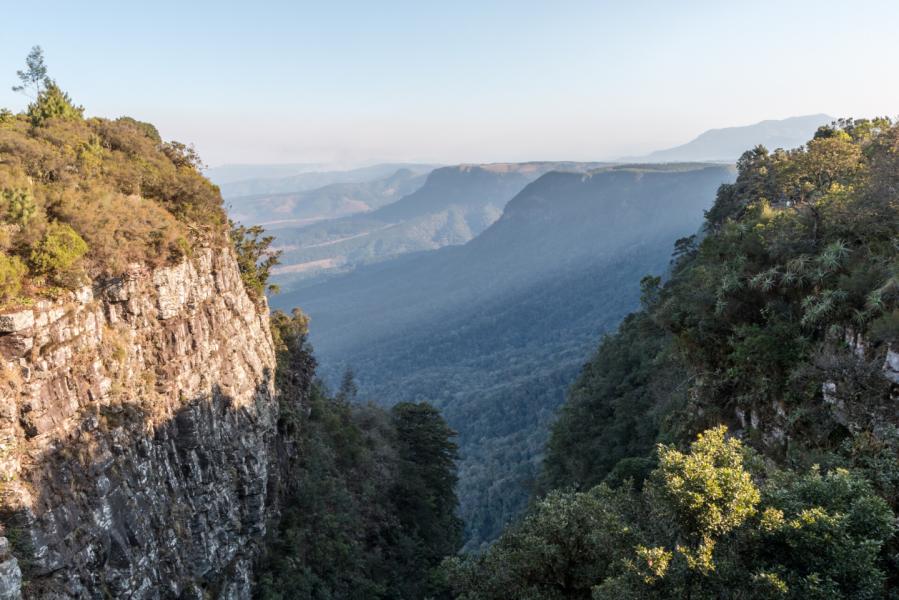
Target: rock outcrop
[135, 421]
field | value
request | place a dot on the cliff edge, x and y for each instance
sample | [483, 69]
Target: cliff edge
[135, 421]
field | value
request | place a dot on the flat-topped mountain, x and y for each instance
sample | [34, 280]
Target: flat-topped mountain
[453, 206]
[298, 209]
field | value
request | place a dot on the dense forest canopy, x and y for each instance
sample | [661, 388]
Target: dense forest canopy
[367, 495]
[779, 323]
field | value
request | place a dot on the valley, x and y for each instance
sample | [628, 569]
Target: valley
[494, 331]
[341, 378]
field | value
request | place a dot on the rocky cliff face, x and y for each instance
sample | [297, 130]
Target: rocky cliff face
[135, 422]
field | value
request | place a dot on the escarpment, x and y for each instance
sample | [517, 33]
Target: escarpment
[136, 417]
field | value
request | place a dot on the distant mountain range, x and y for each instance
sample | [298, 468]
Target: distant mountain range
[305, 180]
[727, 144]
[223, 174]
[493, 331]
[454, 205]
[299, 209]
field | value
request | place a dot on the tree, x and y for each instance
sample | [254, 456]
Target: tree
[53, 103]
[20, 206]
[348, 388]
[255, 258]
[701, 528]
[424, 496]
[34, 78]
[565, 546]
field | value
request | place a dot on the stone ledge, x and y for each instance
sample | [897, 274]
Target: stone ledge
[17, 321]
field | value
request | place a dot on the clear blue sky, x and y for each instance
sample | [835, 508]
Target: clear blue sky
[457, 81]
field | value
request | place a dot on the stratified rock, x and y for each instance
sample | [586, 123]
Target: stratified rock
[135, 426]
[17, 321]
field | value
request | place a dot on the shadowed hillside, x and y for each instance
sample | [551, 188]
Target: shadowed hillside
[493, 331]
[454, 205]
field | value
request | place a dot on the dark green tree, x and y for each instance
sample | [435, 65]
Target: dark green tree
[424, 496]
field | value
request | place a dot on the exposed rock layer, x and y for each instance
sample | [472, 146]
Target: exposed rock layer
[135, 420]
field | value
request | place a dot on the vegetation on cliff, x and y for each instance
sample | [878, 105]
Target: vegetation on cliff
[367, 495]
[778, 323]
[713, 522]
[89, 196]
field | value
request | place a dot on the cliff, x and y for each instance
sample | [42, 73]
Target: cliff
[136, 417]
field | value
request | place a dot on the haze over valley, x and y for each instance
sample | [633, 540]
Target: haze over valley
[584, 300]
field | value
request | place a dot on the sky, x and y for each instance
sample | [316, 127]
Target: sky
[448, 82]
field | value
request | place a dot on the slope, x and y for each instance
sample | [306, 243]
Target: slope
[494, 331]
[728, 143]
[296, 209]
[454, 205]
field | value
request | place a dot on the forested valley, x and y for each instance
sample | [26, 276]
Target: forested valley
[736, 437]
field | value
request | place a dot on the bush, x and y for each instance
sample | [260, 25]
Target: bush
[255, 258]
[12, 271]
[58, 254]
[701, 528]
[53, 103]
[20, 206]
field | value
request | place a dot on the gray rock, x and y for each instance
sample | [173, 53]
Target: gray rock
[147, 414]
[17, 321]
[10, 579]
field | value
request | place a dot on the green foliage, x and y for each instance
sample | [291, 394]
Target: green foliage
[12, 271]
[53, 103]
[826, 531]
[567, 544]
[367, 499]
[255, 258]
[20, 206]
[58, 253]
[424, 495]
[129, 196]
[707, 493]
[713, 523]
[776, 323]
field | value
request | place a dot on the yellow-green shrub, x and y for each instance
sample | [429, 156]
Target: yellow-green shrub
[19, 205]
[12, 271]
[58, 254]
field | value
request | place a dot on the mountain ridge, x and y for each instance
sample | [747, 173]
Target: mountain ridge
[726, 144]
[455, 326]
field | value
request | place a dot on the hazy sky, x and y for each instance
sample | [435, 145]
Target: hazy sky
[457, 81]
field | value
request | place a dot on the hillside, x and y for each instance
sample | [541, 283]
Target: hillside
[83, 198]
[162, 435]
[231, 173]
[123, 386]
[728, 143]
[765, 366]
[310, 180]
[493, 331]
[298, 209]
[454, 205]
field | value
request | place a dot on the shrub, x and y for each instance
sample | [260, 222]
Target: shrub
[20, 206]
[53, 103]
[58, 254]
[12, 271]
[255, 258]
